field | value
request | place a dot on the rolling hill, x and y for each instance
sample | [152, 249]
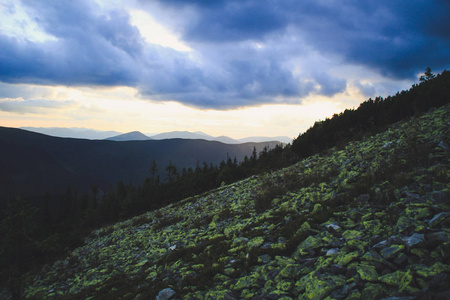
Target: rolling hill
[33, 164]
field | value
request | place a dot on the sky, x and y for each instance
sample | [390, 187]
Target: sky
[236, 67]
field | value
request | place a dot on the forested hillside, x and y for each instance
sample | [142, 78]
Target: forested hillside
[32, 164]
[367, 221]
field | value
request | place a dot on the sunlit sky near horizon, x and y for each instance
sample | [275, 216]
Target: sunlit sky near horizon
[236, 68]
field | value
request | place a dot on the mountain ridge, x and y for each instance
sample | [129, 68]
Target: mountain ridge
[50, 164]
[93, 134]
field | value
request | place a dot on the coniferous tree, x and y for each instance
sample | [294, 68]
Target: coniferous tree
[17, 242]
[427, 75]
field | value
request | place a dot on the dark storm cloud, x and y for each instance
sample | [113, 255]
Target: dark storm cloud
[252, 79]
[245, 52]
[397, 38]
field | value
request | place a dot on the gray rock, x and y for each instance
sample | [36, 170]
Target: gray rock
[165, 294]
[401, 259]
[386, 243]
[343, 292]
[363, 198]
[332, 251]
[391, 252]
[413, 240]
[265, 258]
[441, 197]
[437, 237]
[438, 218]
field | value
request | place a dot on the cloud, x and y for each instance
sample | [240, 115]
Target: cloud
[367, 89]
[89, 49]
[244, 53]
[33, 105]
[396, 38]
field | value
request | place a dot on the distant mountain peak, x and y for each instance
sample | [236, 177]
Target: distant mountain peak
[130, 136]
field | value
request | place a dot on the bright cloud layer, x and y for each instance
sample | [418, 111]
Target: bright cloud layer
[212, 56]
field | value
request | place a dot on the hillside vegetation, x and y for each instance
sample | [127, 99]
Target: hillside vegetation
[365, 221]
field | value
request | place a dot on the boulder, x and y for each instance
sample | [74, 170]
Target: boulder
[165, 294]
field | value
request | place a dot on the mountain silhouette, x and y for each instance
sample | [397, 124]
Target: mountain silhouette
[33, 164]
[130, 136]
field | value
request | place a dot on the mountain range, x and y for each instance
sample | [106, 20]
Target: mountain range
[73, 132]
[32, 164]
[92, 134]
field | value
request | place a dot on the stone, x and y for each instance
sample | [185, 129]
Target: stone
[256, 242]
[375, 257]
[343, 292]
[401, 259]
[337, 269]
[245, 283]
[284, 286]
[438, 237]
[367, 272]
[345, 258]
[332, 251]
[318, 287]
[438, 218]
[428, 272]
[390, 252]
[404, 224]
[165, 294]
[363, 198]
[413, 240]
[398, 278]
[333, 226]
[441, 197]
[373, 291]
[351, 235]
[290, 271]
[374, 226]
[309, 244]
[265, 258]
[284, 261]
[357, 244]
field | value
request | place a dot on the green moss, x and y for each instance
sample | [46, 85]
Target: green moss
[367, 272]
[374, 291]
[318, 287]
[391, 251]
[435, 269]
[344, 259]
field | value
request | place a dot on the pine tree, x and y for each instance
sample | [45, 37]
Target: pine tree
[17, 243]
[427, 75]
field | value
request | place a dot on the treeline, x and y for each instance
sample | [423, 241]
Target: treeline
[374, 115]
[61, 223]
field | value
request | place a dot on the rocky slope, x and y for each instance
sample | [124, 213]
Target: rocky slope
[369, 221]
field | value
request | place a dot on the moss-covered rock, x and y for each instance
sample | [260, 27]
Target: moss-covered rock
[367, 272]
[391, 251]
[318, 287]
